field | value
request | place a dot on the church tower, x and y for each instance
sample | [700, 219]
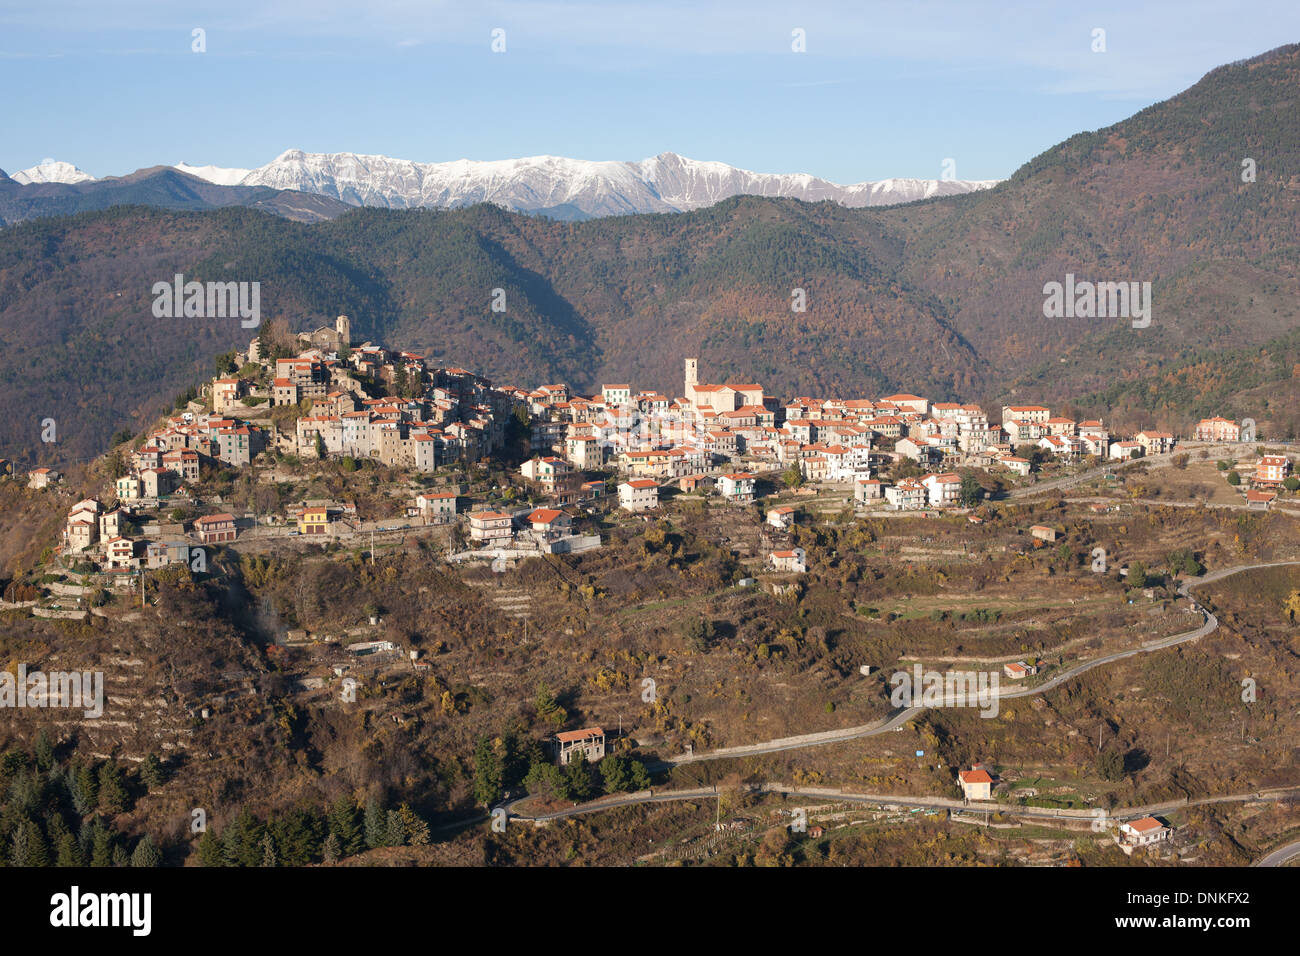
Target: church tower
[343, 326]
[692, 378]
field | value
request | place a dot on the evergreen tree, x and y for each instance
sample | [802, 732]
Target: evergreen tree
[241, 841]
[68, 852]
[43, 751]
[615, 773]
[376, 823]
[152, 772]
[487, 773]
[330, 851]
[210, 850]
[112, 788]
[101, 853]
[395, 830]
[344, 825]
[578, 777]
[640, 776]
[146, 853]
[28, 847]
[545, 780]
[1110, 764]
[297, 834]
[268, 851]
[84, 789]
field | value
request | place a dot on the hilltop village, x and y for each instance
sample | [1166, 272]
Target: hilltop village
[363, 403]
[486, 568]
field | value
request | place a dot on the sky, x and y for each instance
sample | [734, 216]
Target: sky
[879, 89]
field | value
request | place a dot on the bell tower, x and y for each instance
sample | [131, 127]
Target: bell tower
[343, 326]
[692, 377]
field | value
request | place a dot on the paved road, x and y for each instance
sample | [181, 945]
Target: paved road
[1280, 856]
[1153, 461]
[1055, 484]
[925, 803]
[898, 719]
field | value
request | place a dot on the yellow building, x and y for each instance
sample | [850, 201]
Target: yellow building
[314, 521]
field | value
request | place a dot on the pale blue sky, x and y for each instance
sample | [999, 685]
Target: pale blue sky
[884, 89]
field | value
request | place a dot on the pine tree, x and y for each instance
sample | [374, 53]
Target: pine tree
[376, 823]
[68, 852]
[268, 851]
[44, 751]
[578, 777]
[101, 853]
[84, 790]
[640, 776]
[615, 772]
[112, 788]
[394, 830]
[146, 853]
[28, 847]
[210, 850]
[344, 825]
[152, 772]
[329, 850]
[242, 840]
[487, 773]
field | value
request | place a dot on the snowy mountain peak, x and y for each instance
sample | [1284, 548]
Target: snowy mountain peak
[664, 183]
[221, 175]
[557, 185]
[51, 171]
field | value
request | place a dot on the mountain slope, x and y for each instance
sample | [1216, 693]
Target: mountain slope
[160, 186]
[942, 297]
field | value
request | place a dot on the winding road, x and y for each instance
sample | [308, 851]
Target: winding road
[1281, 856]
[1209, 624]
[897, 720]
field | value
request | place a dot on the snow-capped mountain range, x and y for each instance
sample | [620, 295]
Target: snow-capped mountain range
[571, 188]
[51, 171]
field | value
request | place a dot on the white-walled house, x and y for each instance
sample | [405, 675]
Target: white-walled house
[791, 561]
[638, 494]
[1140, 833]
[782, 517]
[908, 494]
[738, 487]
[943, 490]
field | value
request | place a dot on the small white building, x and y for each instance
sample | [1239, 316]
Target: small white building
[490, 527]
[782, 517]
[1139, 833]
[738, 487]
[793, 561]
[867, 489]
[943, 490]
[639, 494]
